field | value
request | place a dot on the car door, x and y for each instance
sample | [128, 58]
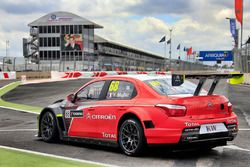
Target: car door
[85, 102]
[118, 98]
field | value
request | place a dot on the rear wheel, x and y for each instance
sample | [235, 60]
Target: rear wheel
[131, 137]
[48, 127]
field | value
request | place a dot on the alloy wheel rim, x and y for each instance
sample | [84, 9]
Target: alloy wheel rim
[47, 126]
[130, 137]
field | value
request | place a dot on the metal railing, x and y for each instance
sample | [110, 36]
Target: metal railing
[22, 64]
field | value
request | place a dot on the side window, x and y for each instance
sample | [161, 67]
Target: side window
[120, 90]
[90, 92]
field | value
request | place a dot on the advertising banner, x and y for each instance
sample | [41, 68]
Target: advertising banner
[233, 28]
[223, 55]
[72, 42]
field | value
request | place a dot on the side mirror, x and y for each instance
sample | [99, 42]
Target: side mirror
[71, 98]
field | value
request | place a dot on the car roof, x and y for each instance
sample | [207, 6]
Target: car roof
[141, 77]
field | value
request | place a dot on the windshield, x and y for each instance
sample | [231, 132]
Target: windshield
[164, 87]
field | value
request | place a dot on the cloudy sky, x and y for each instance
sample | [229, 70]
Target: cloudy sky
[137, 23]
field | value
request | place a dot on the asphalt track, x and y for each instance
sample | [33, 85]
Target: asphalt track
[17, 129]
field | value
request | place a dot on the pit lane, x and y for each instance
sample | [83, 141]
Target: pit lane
[45, 93]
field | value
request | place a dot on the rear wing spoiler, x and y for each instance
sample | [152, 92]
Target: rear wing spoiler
[178, 79]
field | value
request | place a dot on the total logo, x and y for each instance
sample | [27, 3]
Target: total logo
[108, 135]
[191, 124]
[100, 116]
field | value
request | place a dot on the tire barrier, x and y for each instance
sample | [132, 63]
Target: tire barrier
[7, 75]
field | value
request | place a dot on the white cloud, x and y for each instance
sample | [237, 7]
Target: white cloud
[200, 24]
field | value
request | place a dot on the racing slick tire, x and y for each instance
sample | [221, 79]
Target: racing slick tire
[131, 137]
[49, 128]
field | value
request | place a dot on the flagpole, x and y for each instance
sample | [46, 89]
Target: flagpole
[241, 38]
[180, 53]
[242, 25]
[170, 51]
[165, 50]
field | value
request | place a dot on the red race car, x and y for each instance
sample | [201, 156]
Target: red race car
[138, 110]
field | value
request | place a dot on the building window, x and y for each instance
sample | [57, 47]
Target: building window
[72, 56]
[53, 29]
[67, 30]
[80, 29]
[76, 30]
[41, 55]
[57, 55]
[40, 29]
[45, 42]
[49, 29]
[41, 42]
[57, 41]
[71, 29]
[49, 42]
[45, 29]
[53, 41]
[63, 29]
[57, 29]
[67, 56]
[45, 55]
[53, 55]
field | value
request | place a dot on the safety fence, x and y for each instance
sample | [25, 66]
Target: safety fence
[20, 64]
[242, 59]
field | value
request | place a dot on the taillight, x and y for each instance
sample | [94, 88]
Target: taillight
[230, 107]
[173, 110]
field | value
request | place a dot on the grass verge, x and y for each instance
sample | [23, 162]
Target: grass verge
[11, 158]
[3, 103]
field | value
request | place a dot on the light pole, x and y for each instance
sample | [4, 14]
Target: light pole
[7, 47]
[14, 64]
[4, 62]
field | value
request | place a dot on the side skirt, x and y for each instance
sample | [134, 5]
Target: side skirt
[91, 141]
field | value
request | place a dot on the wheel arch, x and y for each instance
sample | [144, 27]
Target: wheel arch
[55, 113]
[139, 114]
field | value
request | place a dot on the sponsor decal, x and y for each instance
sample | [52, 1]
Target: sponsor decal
[108, 135]
[190, 124]
[211, 128]
[54, 18]
[210, 104]
[232, 121]
[73, 113]
[100, 116]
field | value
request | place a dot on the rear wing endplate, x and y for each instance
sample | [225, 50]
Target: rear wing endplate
[178, 79]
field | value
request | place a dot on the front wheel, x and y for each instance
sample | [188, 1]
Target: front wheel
[131, 137]
[48, 127]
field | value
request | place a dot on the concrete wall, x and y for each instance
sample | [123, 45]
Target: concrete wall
[34, 74]
[247, 78]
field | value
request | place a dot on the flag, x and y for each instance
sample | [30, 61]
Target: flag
[169, 41]
[239, 10]
[248, 41]
[163, 39]
[189, 51]
[233, 28]
[178, 47]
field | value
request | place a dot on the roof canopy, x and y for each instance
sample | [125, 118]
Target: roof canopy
[98, 39]
[62, 18]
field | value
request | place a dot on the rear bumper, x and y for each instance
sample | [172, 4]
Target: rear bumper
[187, 135]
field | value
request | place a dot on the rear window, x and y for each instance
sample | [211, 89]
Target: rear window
[164, 87]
